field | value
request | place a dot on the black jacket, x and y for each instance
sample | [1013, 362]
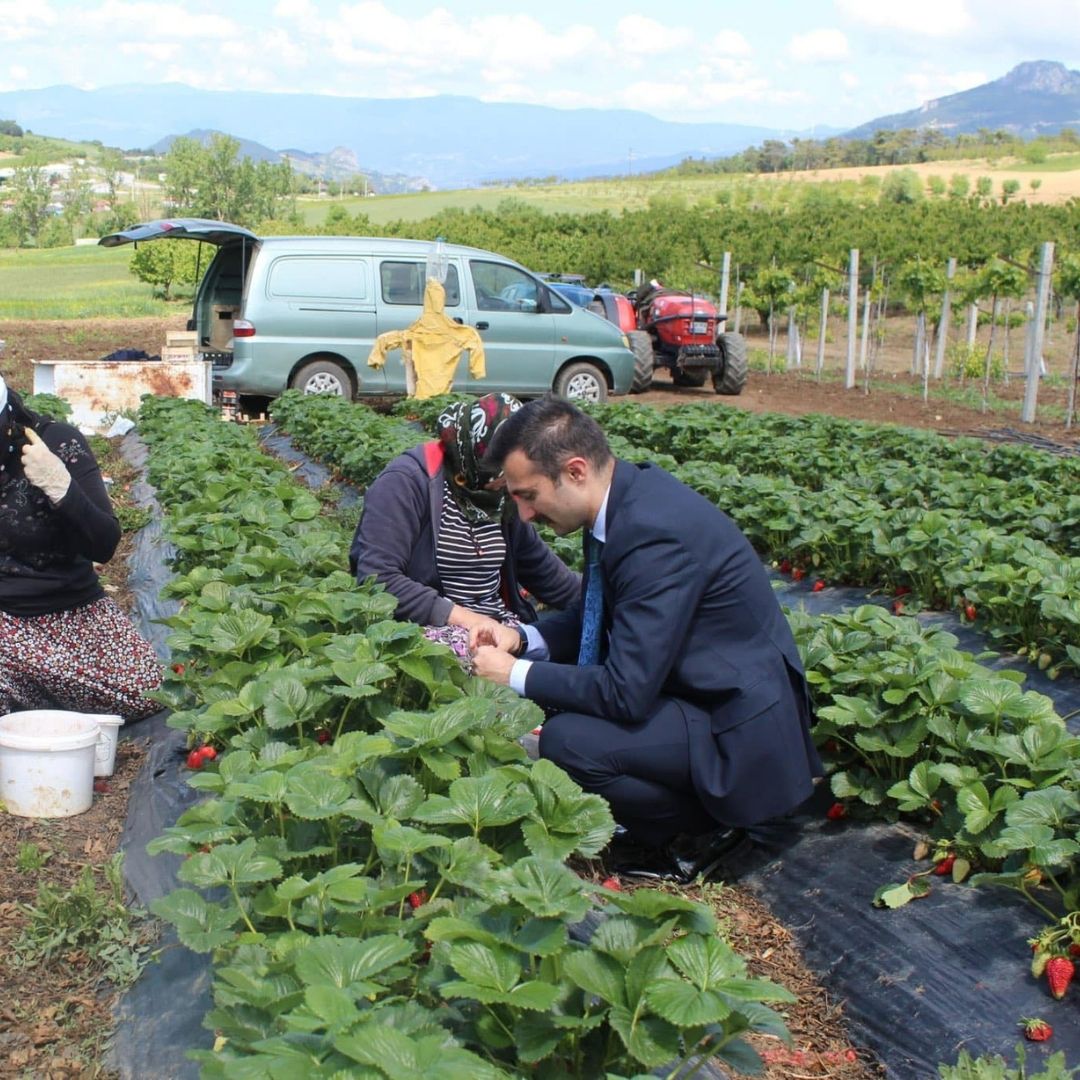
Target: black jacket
[398, 530]
[47, 552]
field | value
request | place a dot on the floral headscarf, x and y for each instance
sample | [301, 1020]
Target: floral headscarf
[465, 431]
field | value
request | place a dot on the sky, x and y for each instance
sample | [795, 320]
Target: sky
[784, 64]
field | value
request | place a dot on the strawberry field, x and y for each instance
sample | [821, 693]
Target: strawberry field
[385, 884]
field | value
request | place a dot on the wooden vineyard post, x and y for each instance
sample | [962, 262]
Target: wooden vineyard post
[725, 279]
[821, 333]
[972, 324]
[865, 328]
[943, 325]
[853, 318]
[1042, 297]
[738, 305]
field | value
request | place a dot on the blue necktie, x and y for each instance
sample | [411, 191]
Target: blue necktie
[592, 619]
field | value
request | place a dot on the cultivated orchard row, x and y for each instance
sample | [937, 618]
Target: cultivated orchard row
[390, 890]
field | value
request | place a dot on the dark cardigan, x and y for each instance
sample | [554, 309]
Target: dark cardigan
[47, 552]
[398, 530]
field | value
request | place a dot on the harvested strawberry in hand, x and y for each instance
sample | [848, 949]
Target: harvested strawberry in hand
[837, 811]
[611, 883]
[945, 865]
[1036, 1030]
[1059, 973]
[818, 585]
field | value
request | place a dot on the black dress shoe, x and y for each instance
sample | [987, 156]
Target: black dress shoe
[681, 862]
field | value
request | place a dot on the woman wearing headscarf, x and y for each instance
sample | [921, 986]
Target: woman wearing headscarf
[438, 532]
[63, 643]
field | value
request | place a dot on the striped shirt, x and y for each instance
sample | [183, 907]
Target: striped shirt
[469, 556]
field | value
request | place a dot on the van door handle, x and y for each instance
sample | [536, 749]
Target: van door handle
[481, 326]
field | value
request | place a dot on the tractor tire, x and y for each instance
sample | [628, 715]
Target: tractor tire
[731, 378]
[323, 377]
[644, 361]
[688, 378]
[581, 382]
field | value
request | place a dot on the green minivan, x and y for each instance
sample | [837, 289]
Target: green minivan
[280, 312]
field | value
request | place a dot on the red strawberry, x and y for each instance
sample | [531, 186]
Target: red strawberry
[945, 865]
[1036, 1030]
[898, 607]
[1074, 949]
[611, 883]
[831, 746]
[322, 736]
[195, 760]
[902, 590]
[970, 612]
[818, 585]
[178, 668]
[207, 752]
[1059, 973]
[798, 573]
[785, 567]
[837, 811]
[418, 898]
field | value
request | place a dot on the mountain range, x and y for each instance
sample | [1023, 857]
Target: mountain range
[453, 142]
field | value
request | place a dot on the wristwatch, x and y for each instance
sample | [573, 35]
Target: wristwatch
[524, 646]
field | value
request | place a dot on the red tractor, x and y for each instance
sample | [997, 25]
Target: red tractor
[667, 328]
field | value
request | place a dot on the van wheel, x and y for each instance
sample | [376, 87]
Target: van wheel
[581, 382]
[323, 377]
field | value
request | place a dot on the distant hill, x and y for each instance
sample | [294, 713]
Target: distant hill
[1035, 98]
[451, 141]
[339, 164]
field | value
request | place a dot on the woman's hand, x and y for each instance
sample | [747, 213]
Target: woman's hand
[493, 633]
[43, 468]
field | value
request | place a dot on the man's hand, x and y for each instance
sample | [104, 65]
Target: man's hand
[494, 664]
[43, 468]
[495, 634]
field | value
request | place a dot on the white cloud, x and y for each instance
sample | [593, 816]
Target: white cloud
[23, 22]
[152, 22]
[928, 18]
[638, 35]
[728, 43]
[697, 93]
[927, 85]
[819, 46]
[849, 80]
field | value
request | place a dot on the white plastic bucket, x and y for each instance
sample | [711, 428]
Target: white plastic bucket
[105, 751]
[47, 762]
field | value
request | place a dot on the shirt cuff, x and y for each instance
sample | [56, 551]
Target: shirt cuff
[517, 675]
[536, 647]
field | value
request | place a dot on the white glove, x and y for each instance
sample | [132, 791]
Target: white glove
[43, 468]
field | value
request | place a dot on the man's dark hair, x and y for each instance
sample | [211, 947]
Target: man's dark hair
[549, 431]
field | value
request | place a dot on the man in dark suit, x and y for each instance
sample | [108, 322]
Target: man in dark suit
[675, 685]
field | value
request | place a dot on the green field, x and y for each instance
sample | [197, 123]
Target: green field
[73, 283]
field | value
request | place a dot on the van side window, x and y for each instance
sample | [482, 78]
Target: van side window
[327, 277]
[403, 283]
[503, 288]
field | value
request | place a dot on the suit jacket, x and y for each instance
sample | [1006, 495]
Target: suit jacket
[689, 614]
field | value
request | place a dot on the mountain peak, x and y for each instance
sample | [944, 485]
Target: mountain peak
[1043, 77]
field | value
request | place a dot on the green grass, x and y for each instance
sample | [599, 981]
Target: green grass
[73, 283]
[1054, 163]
